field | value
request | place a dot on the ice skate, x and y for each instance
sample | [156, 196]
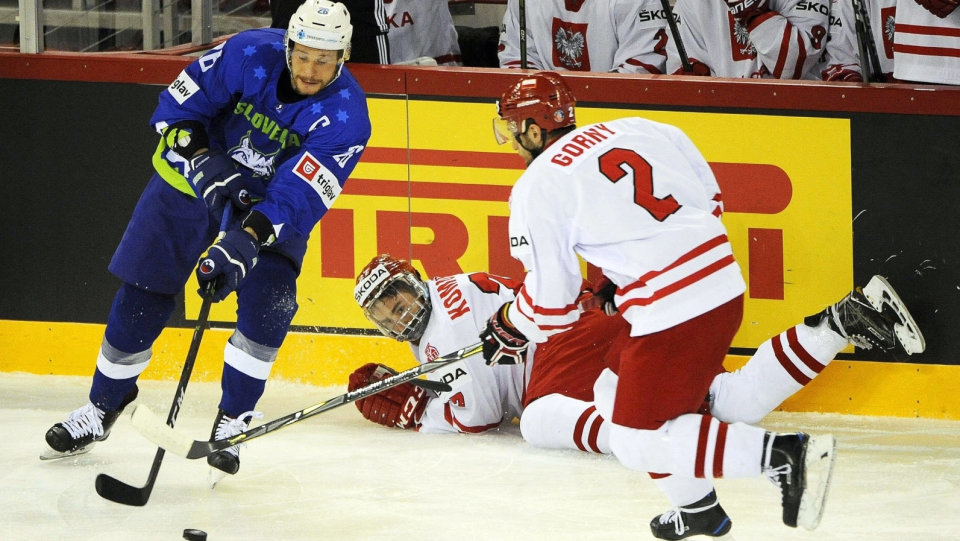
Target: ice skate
[83, 429]
[873, 317]
[801, 465]
[704, 517]
[227, 461]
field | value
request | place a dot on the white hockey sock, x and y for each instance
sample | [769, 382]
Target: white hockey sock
[780, 367]
[560, 422]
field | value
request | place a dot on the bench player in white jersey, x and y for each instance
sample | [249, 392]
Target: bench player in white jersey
[422, 28]
[767, 39]
[927, 42]
[625, 36]
[841, 58]
[553, 389]
[637, 199]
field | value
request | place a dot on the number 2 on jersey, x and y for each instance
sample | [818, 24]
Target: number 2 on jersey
[611, 165]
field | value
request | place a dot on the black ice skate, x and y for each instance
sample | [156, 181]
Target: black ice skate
[873, 317]
[83, 429]
[227, 461]
[704, 517]
[801, 466]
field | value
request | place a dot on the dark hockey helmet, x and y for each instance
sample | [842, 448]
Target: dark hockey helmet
[542, 98]
[394, 298]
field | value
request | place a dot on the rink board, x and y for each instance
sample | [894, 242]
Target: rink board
[823, 186]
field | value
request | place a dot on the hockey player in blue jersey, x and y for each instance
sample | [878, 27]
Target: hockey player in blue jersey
[272, 123]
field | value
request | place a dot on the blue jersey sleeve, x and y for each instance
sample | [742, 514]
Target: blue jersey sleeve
[306, 185]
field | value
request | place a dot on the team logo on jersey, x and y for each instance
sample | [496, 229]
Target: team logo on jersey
[342, 159]
[740, 45]
[888, 18]
[432, 353]
[570, 49]
[182, 88]
[249, 156]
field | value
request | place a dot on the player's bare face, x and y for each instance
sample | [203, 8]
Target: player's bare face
[529, 144]
[311, 70]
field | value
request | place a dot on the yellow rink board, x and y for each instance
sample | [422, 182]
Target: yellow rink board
[850, 387]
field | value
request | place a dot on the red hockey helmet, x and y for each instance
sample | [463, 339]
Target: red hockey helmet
[394, 298]
[542, 98]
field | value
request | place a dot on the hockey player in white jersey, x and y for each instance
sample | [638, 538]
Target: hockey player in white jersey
[841, 59]
[422, 28]
[766, 39]
[446, 314]
[927, 41]
[625, 36]
[638, 200]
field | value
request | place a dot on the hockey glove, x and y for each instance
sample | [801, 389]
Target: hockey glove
[219, 181]
[227, 263]
[605, 290]
[502, 342]
[745, 11]
[401, 406]
[186, 138]
[940, 8]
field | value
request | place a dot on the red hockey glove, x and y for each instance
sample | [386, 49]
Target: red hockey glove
[698, 69]
[745, 11]
[502, 342]
[401, 406]
[940, 8]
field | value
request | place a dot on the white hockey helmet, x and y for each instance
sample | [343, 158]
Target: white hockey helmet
[320, 24]
[394, 298]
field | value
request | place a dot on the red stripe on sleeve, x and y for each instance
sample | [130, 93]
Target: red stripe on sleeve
[594, 432]
[801, 57]
[784, 51]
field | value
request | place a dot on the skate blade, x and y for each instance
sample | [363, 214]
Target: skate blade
[879, 292]
[818, 469]
[214, 476]
[50, 454]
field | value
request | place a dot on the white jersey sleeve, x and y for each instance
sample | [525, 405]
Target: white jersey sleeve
[841, 60]
[481, 396]
[636, 199]
[784, 43]
[927, 48]
[508, 50]
[420, 28]
[586, 35]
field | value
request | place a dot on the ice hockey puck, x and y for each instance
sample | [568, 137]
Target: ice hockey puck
[195, 535]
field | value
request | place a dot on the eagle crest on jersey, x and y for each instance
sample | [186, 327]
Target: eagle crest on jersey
[253, 158]
[889, 25]
[570, 45]
[741, 45]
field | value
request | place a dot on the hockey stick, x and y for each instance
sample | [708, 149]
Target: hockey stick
[681, 51]
[150, 426]
[869, 63]
[116, 490]
[522, 16]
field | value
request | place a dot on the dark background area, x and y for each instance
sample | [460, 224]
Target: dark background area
[75, 157]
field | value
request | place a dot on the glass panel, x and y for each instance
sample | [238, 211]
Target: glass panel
[118, 25]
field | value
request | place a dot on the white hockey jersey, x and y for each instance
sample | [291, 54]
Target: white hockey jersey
[784, 43]
[842, 54]
[635, 198]
[481, 396]
[626, 36]
[927, 48]
[421, 28]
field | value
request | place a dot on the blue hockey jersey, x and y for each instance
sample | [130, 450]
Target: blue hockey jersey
[304, 150]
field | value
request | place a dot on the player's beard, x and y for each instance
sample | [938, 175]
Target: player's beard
[534, 152]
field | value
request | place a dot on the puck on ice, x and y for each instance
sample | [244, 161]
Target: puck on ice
[195, 535]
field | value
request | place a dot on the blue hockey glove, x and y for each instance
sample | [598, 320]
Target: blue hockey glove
[502, 342]
[219, 181]
[227, 263]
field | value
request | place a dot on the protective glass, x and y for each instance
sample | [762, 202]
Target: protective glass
[399, 312]
[505, 130]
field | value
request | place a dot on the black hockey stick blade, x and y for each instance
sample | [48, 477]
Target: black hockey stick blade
[152, 428]
[117, 491]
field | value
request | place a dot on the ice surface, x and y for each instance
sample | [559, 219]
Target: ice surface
[337, 476]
